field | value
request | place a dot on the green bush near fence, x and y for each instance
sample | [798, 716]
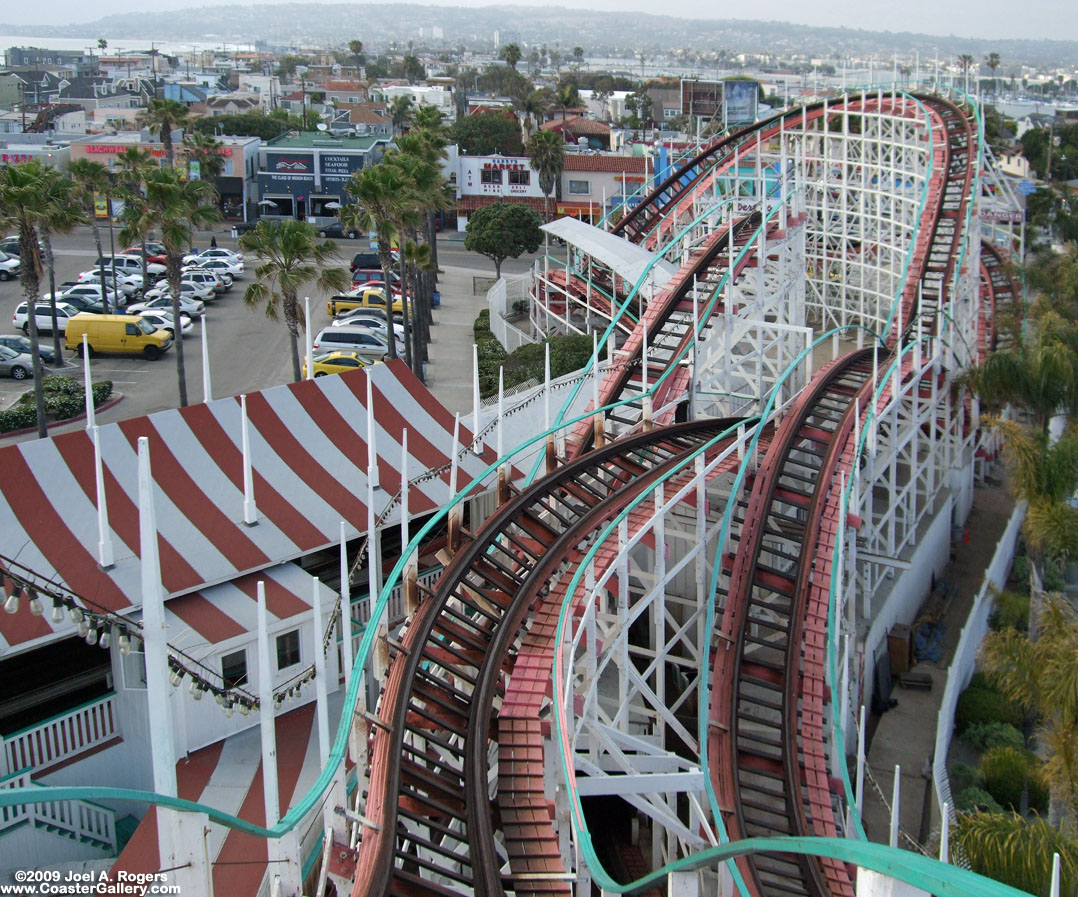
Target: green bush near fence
[64, 399]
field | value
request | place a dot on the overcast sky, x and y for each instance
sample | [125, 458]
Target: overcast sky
[985, 19]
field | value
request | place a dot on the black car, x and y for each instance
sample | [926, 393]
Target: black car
[22, 344]
[364, 260]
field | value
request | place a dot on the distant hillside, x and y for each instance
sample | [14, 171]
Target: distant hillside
[294, 24]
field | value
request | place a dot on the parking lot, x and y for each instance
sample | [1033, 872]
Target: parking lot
[248, 352]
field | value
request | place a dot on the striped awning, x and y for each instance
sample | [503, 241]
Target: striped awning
[308, 454]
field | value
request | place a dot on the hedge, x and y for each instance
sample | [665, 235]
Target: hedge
[1007, 772]
[64, 399]
[978, 705]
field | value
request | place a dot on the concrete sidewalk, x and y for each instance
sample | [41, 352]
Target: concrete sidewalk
[449, 369]
[906, 735]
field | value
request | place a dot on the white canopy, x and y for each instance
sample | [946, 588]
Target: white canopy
[625, 259]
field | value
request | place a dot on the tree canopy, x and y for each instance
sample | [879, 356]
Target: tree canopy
[502, 231]
[486, 133]
[247, 124]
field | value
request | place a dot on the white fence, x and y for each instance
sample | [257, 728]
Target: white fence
[79, 820]
[965, 657]
[501, 299]
[65, 735]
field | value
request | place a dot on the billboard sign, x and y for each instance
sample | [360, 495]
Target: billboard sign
[739, 101]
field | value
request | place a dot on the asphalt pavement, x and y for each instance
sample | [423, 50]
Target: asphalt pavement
[247, 351]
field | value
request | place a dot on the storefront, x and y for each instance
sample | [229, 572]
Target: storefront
[305, 177]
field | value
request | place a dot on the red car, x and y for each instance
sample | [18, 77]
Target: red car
[150, 256]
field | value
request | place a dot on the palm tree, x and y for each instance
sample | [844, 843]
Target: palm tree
[423, 193]
[164, 116]
[992, 61]
[90, 179]
[530, 107]
[206, 150]
[355, 47]
[1016, 851]
[1042, 677]
[133, 166]
[291, 255]
[547, 151]
[511, 54]
[399, 110]
[174, 208]
[378, 207]
[57, 214]
[966, 61]
[429, 124]
[22, 188]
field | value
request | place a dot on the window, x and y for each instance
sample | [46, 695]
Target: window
[234, 667]
[580, 188]
[522, 177]
[133, 665]
[490, 176]
[288, 649]
[131, 330]
[353, 99]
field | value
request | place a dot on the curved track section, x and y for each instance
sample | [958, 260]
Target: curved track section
[997, 289]
[764, 783]
[428, 802]
[668, 326]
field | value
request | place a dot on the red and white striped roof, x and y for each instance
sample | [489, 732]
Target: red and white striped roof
[308, 453]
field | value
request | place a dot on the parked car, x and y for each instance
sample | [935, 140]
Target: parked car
[91, 292]
[336, 362]
[231, 267]
[364, 342]
[10, 266]
[188, 287]
[18, 365]
[189, 305]
[200, 276]
[214, 252]
[22, 344]
[131, 264]
[151, 256]
[156, 248]
[371, 318]
[371, 298]
[162, 320]
[127, 283]
[369, 276]
[364, 260]
[43, 314]
[120, 334]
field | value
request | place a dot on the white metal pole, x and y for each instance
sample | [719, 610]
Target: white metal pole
[860, 792]
[501, 413]
[1054, 892]
[91, 418]
[104, 536]
[207, 388]
[250, 510]
[155, 645]
[266, 714]
[321, 698]
[896, 789]
[475, 397]
[346, 611]
[546, 386]
[308, 338]
[372, 452]
[945, 833]
[405, 518]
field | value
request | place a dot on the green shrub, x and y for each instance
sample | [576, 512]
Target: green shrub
[985, 736]
[973, 800]
[1011, 611]
[963, 776]
[102, 391]
[984, 705]
[482, 323]
[18, 417]
[1006, 772]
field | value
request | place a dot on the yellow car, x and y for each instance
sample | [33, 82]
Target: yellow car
[336, 362]
[373, 297]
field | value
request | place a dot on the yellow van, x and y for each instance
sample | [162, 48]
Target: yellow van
[373, 297]
[121, 334]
